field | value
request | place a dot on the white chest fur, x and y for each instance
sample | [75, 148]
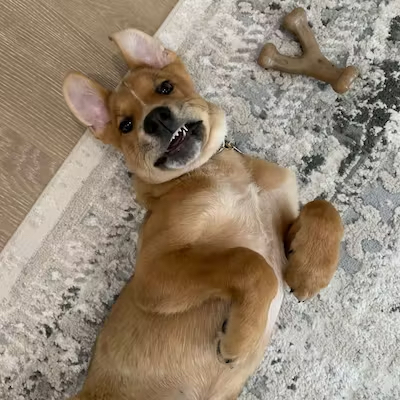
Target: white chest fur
[245, 217]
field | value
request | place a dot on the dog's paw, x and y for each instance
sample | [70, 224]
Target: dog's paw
[307, 276]
[222, 356]
[302, 292]
[312, 248]
[231, 347]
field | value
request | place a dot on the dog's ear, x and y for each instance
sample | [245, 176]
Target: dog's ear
[87, 101]
[140, 49]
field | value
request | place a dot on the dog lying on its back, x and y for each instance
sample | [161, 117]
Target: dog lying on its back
[194, 320]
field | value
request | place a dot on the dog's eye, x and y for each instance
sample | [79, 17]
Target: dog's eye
[165, 87]
[126, 125]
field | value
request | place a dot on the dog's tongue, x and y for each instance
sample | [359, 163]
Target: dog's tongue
[177, 138]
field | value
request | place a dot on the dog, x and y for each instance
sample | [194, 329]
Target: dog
[194, 320]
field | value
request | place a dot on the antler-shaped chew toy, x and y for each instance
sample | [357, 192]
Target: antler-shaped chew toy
[312, 63]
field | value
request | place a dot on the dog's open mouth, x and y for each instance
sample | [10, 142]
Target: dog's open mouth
[177, 139]
[183, 146]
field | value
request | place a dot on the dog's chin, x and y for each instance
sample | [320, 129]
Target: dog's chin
[187, 149]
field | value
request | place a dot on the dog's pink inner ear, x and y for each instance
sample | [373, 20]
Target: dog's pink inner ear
[87, 102]
[138, 48]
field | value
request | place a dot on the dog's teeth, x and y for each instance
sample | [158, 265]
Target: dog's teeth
[181, 131]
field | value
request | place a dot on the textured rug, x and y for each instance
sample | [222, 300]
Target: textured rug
[62, 271]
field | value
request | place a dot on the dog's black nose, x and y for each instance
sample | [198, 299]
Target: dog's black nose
[160, 121]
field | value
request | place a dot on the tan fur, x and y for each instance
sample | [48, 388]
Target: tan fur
[313, 244]
[211, 250]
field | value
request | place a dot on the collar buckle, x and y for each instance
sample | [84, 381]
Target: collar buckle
[230, 146]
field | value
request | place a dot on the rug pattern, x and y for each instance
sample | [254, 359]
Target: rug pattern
[345, 343]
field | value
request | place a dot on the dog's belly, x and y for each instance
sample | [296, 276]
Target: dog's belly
[260, 210]
[247, 218]
[174, 356]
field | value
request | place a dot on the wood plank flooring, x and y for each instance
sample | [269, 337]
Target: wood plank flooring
[40, 41]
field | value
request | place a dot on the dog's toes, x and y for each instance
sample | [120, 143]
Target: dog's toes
[301, 294]
[302, 285]
[224, 325]
[220, 356]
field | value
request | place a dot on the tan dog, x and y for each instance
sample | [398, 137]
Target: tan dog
[194, 320]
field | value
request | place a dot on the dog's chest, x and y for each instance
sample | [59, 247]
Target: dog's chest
[245, 216]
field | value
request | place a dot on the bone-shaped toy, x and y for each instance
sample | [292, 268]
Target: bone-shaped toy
[312, 63]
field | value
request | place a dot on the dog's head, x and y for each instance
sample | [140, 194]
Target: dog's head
[155, 117]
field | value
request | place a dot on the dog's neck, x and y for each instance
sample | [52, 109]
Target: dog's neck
[147, 194]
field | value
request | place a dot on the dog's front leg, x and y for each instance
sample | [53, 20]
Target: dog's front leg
[180, 280]
[313, 249]
[312, 238]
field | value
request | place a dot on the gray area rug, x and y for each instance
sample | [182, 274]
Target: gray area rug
[58, 282]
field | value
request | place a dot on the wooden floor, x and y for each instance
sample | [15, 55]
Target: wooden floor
[40, 41]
